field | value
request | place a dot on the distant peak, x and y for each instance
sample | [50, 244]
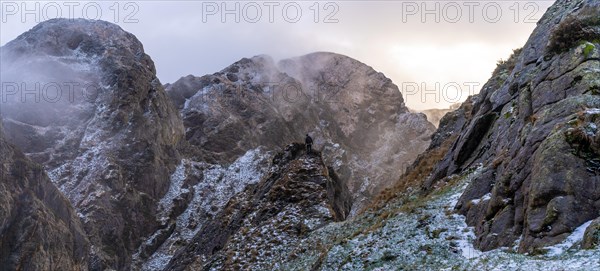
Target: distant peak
[61, 37]
[79, 23]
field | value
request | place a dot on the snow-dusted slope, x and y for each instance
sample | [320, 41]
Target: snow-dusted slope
[355, 114]
[259, 227]
[198, 192]
[100, 123]
[423, 233]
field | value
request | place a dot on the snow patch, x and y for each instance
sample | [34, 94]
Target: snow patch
[217, 186]
[572, 240]
[165, 205]
[592, 111]
[485, 197]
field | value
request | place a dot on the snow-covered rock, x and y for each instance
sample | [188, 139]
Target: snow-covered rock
[86, 104]
[355, 114]
[258, 228]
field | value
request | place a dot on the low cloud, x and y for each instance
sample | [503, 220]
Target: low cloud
[184, 39]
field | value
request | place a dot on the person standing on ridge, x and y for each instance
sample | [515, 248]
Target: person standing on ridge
[308, 141]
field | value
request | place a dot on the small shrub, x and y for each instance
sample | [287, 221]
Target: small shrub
[388, 256]
[538, 251]
[509, 64]
[573, 30]
[594, 90]
[437, 232]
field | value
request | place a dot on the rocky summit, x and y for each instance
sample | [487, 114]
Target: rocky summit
[105, 132]
[148, 170]
[509, 180]
[236, 119]
[112, 170]
[356, 115]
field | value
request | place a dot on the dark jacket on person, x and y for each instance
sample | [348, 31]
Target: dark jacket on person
[308, 140]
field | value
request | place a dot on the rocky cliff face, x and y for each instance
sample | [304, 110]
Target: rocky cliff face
[198, 192]
[235, 118]
[84, 102]
[356, 115]
[533, 129]
[39, 229]
[519, 161]
[259, 227]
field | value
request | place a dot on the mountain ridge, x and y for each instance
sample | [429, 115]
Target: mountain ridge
[347, 106]
[191, 175]
[139, 173]
[106, 142]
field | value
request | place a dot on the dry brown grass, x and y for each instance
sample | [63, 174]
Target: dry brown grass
[575, 29]
[499, 159]
[532, 119]
[509, 64]
[414, 177]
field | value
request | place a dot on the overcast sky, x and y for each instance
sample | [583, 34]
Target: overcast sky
[447, 47]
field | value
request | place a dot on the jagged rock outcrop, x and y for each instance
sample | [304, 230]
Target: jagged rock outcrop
[356, 115]
[259, 227]
[39, 229]
[199, 191]
[591, 237]
[84, 101]
[533, 129]
[528, 145]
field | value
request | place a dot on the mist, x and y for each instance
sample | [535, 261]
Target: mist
[408, 48]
